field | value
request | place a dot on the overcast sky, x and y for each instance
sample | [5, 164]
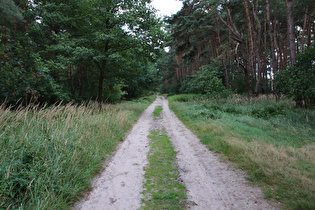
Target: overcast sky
[167, 7]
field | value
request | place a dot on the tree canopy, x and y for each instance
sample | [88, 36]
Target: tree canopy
[77, 50]
[107, 50]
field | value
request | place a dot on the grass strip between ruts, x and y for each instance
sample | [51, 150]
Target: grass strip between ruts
[162, 188]
[157, 111]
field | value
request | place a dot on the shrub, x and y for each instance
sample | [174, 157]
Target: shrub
[206, 81]
[298, 80]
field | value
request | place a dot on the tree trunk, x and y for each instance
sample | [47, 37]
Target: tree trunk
[276, 46]
[310, 29]
[223, 57]
[304, 28]
[257, 49]
[100, 82]
[80, 81]
[250, 40]
[238, 38]
[289, 4]
[272, 47]
[72, 88]
[247, 80]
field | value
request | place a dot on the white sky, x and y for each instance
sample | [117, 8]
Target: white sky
[167, 7]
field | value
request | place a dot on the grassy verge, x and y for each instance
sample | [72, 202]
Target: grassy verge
[162, 187]
[48, 155]
[273, 141]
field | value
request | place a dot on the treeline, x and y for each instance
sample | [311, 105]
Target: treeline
[244, 46]
[55, 50]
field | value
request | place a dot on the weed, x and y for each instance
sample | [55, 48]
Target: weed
[157, 111]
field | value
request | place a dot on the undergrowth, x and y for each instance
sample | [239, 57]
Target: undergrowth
[49, 154]
[273, 141]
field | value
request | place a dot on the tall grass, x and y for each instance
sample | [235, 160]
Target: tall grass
[273, 141]
[49, 154]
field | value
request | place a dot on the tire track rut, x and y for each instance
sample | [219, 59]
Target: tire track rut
[210, 183]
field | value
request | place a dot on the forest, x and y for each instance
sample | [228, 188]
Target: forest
[110, 50]
[246, 47]
[76, 75]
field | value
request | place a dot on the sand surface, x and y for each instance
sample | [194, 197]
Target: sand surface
[210, 182]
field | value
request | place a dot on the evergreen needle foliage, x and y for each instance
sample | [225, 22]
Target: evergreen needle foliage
[273, 141]
[48, 155]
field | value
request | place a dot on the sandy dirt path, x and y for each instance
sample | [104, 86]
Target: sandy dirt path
[119, 186]
[210, 183]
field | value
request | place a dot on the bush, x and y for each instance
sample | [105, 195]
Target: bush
[298, 80]
[186, 97]
[206, 81]
[267, 112]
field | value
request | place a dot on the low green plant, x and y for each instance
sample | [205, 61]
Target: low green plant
[186, 97]
[273, 141]
[49, 154]
[157, 111]
[162, 187]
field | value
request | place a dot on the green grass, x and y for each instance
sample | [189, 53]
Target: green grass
[162, 187]
[157, 111]
[273, 141]
[48, 155]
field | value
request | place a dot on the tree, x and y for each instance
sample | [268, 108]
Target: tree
[250, 38]
[297, 81]
[291, 30]
[89, 49]
[9, 13]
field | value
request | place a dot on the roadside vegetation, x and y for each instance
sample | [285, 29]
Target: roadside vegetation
[49, 154]
[273, 141]
[162, 187]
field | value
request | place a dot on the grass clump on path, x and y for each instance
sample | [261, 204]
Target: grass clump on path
[157, 111]
[48, 155]
[273, 141]
[162, 187]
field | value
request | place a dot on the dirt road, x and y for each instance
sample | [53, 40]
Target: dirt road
[210, 183]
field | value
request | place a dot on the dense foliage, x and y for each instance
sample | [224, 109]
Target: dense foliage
[206, 81]
[77, 50]
[298, 80]
[247, 42]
